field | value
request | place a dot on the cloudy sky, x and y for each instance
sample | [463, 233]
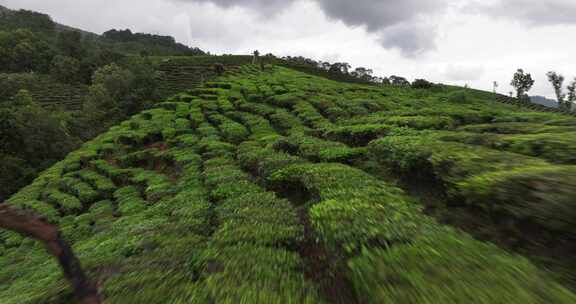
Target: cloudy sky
[472, 42]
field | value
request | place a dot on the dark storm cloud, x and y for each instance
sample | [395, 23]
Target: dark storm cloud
[411, 39]
[543, 12]
[377, 14]
[397, 23]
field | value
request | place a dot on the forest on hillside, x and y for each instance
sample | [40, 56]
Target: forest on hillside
[61, 86]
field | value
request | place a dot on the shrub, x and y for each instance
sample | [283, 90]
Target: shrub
[458, 97]
[129, 200]
[422, 84]
[66, 69]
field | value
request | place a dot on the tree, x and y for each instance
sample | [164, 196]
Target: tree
[363, 74]
[70, 44]
[16, 173]
[422, 84]
[557, 81]
[66, 69]
[256, 57]
[31, 139]
[100, 100]
[119, 35]
[340, 68]
[114, 79]
[116, 93]
[23, 56]
[24, 51]
[12, 83]
[399, 81]
[5, 54]
[41, 136]
[143, 86]
[24, 19]
[99, 112]
[95, 56]
[23, 99]
[153, 44]
[571, 94]
[522, 82]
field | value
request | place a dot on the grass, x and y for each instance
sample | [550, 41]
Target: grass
[266, 187]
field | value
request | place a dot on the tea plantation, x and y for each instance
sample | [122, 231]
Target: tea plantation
[281, 187]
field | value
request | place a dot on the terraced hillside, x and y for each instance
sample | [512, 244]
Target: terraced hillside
[281, 187]
[48, 92]
[181, 73]
[54, 94]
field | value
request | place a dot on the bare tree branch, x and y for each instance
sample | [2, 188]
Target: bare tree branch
[37, 228]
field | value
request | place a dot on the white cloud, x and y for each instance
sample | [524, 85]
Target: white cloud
[398, 24]
[463, 72]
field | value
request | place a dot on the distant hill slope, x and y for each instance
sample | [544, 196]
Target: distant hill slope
[282, 187]
[132, 44]
[97, 50]
[544, 101]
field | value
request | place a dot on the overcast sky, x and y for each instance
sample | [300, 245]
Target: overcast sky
[472, 42]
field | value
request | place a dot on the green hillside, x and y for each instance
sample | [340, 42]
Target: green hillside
[281, 187]
[76, 84]
[179, 73]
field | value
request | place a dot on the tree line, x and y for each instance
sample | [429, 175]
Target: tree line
[344, 72]
[126, 36]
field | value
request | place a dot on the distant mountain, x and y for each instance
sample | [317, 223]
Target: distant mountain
[544, 101]
[122, 41]
[62, 28]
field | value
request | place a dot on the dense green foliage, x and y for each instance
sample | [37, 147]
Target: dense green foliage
[280, 187]
[24, 19]
[85, 83]
[33, 138]
[22, 50]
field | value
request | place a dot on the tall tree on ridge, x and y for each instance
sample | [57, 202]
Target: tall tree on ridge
[571, 94]
[557, 80]
[523, 82]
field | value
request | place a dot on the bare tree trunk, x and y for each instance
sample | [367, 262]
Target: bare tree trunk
[37, 228]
